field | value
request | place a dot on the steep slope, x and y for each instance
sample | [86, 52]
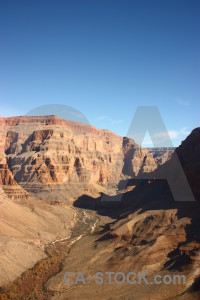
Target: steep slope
[25, 228]
[151, 232]
[156, 233]
[189, 156]
[188, 153]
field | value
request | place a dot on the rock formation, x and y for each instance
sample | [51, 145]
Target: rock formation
[156, 233]
[59, 160]
[41, 153]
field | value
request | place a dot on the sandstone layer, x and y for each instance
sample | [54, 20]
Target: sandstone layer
[42, 154]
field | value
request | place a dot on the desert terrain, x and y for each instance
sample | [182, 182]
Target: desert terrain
[61, 182]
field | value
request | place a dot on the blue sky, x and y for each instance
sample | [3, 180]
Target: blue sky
[103, 58]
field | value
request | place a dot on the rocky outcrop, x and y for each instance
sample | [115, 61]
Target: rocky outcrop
[188, 156]
[157, 233]
[7, 181]
[136, 159]
[6, 177]
[49, 151]
[162, 154]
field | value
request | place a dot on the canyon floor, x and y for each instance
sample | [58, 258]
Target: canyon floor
[88, 256]
[99, 243]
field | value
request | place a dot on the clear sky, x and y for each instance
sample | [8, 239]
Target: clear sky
[104, 58]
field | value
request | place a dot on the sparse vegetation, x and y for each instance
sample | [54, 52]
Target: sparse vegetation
[31, 284]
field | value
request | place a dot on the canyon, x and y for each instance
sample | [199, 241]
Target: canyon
[40, 152]
[54, 174]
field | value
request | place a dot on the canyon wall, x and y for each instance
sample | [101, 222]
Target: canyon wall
[50, 153]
